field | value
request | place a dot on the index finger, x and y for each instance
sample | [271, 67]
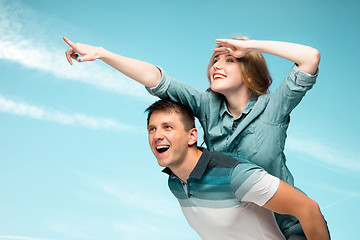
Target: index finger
[221, 41]
[70, 43]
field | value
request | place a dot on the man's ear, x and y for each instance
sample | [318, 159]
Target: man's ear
[193, 136]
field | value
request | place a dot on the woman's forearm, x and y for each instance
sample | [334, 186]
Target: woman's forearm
[307, 58]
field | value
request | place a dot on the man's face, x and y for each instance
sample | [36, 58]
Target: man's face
[168, 139]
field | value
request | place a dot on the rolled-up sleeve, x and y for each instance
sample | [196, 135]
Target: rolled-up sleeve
[288, 95]
[162, 86]
[299, 79]
[170, 88]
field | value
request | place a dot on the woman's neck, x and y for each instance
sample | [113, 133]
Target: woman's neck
[236, 102]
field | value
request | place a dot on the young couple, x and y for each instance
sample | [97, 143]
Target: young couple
[238, 116]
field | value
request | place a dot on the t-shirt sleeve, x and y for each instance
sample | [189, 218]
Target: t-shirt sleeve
[253, 184]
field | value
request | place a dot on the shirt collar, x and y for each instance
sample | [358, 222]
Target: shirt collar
[200, 167]
[249, 105]
[223, 109]
[247, 109]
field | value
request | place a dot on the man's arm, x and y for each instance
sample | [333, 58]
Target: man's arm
[142, 72]
[288, 200]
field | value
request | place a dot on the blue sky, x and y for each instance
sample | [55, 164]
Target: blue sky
[75, 162]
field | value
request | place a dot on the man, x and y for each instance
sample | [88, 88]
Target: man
[223, 197]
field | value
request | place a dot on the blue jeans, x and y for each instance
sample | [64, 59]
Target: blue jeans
[296, 232]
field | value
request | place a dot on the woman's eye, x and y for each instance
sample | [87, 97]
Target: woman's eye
[230, 60]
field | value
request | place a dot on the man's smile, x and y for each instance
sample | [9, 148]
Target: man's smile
[162, 148]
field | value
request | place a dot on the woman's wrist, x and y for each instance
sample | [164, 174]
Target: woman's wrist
[102, 54]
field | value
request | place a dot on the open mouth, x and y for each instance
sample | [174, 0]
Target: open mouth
[162, 149]
[217, 76]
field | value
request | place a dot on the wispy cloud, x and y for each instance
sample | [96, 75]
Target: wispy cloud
[341, 194]
[76, 119]
[342, 200]
[116, 191]
[8, 237]
[25, 43]
[326, 155]
[131, 216]
[137, 200]
[146, 229]
[75, 230]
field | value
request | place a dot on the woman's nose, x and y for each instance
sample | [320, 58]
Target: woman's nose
[217, 65]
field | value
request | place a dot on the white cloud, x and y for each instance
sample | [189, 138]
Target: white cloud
[134, 214]
[147, 229]
[342, 200]
[326, 155]
[40, 113]
[9, 237]
[124, 194]
[341, 194]
[25, 43]
[158, 206]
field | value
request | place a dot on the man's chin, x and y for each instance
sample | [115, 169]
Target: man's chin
[162, 163]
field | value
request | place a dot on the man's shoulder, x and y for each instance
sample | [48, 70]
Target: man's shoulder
[235, 163]
[227, 160]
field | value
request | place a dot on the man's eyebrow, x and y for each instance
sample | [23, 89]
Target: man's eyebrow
[166, 123]
[162, 124]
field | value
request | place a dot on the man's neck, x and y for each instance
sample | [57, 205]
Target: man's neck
[191, 159]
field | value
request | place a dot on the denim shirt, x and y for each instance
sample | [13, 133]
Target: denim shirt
[259, 133]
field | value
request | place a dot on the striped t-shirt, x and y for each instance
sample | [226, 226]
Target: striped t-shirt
[223, 197]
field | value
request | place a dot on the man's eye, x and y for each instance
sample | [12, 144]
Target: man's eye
[168, 127]
[151, 129]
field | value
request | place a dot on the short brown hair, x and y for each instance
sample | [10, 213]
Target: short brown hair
[167, 105]
[252, 66]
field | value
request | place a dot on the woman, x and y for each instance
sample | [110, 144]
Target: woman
[237, 114]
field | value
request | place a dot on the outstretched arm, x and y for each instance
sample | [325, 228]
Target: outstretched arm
[288, 200]
[307, 58]
[142, 72]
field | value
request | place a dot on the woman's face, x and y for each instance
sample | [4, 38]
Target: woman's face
[225, 75]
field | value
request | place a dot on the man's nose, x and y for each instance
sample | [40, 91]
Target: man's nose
[158, 135]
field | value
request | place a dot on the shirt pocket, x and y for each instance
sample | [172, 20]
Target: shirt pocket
[246, 143]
